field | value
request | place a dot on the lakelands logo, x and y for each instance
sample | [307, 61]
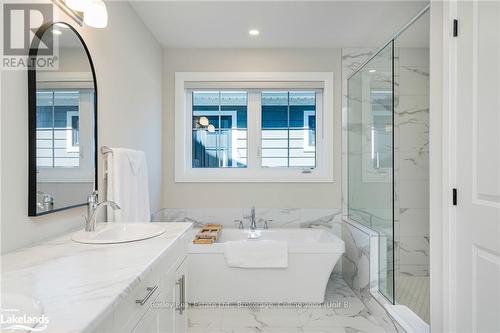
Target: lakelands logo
[12, 319]
[21, 21]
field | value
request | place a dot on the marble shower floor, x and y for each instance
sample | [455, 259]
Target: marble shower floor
[414, 292]
[342, 312]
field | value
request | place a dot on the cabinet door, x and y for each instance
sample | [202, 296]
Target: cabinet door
[167, 310]
[168, 301]
[180, 292]
[149, 323]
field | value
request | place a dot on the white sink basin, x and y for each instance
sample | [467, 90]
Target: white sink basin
[109, 233]
[17, 306]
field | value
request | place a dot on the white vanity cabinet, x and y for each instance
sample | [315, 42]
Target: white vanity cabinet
[119, 287]
[180, 316]
[157, 304]
[173, 306]
[168, 311]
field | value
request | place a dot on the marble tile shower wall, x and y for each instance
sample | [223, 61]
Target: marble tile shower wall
[356, 259]
[411, 118]
[352, 59]
[411, 228]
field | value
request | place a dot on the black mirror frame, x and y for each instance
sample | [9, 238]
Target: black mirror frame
[33, 53]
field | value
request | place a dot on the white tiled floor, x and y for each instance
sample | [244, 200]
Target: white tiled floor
[342, 312]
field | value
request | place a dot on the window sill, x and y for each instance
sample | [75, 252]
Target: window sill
[276, 175]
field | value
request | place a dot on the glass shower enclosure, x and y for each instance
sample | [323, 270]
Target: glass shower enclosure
[387, 161]
[370, 145]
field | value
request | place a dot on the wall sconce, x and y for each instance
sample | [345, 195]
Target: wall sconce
[202, 122]
[95, 14]
[91, 12]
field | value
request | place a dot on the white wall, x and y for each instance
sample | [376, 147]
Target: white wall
[241, 195]
[128, 62]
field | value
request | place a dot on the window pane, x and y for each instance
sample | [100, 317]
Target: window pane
[302, 105]
[219, 129]
[58, 128]
[288, 129]
[204, 149]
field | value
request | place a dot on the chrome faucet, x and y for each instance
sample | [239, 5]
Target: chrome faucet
[253, 225]
[93, 206]
[47, 202]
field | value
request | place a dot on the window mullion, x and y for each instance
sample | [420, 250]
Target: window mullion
[288, 130]
[53, 129]
[253, 130]
[217, 134]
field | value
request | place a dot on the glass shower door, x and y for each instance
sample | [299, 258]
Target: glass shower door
[371, 157]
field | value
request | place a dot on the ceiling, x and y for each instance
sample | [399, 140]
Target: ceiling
[282, 24]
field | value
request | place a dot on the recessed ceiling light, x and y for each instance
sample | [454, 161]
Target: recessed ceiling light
[253, 32]
[56, 32]
[372, 70]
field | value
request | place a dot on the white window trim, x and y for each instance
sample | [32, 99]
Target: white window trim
[69, 131]
[307, 147]
[324, 170]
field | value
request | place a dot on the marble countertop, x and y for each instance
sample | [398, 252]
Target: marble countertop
[79, 285]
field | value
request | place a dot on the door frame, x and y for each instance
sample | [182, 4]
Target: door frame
[443, 100]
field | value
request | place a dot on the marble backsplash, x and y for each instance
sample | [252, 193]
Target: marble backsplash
[275, 217]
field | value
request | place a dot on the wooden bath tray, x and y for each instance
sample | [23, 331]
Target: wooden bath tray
[208, 234]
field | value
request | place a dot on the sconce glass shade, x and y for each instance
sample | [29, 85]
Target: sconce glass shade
[203, 121]
[78, 5]
[95, 14]
[211, 128]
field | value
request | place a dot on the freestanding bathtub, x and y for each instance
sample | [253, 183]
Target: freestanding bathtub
[312, 254]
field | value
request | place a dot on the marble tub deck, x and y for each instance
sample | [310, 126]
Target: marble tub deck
[342, 312]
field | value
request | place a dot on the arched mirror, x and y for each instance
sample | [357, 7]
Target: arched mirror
[62, 121]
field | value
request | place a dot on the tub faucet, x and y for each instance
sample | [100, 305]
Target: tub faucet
[253, 225]
[93, 206]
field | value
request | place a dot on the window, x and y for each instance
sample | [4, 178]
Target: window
[288, 128]
[57, 130]
[271, 127]
[219, 129]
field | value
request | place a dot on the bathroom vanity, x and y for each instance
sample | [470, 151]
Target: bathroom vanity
[128, 287]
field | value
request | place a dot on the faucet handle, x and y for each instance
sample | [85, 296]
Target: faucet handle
[93, 198]
[266, 223]
[240, 223]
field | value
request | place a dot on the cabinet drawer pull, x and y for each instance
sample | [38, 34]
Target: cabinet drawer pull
[151, 291]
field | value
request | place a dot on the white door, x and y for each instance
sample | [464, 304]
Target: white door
[477, 249]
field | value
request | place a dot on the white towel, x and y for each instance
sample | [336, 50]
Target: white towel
[127, 185]
[256, 254]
